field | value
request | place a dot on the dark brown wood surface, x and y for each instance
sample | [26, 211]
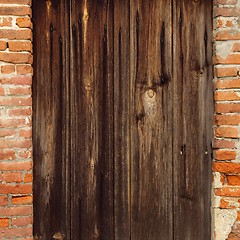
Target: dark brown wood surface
[122, 137]
[192, 121]
[151, 120]
[91, 120]
[122, 116]
[51, 119]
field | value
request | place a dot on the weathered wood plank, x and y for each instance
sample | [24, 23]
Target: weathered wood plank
[91, 114]
[193, 104]
[50, 118]
[151, 119]
[121, 120]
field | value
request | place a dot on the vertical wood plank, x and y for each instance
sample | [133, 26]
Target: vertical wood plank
[91, 114]
[151, 119]
[121, 119]
[193, 104]
[50, 120]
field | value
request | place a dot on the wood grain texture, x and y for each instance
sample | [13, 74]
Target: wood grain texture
[122, 116]
[193, 111]
[91, 120]
[121, 119]
[151, 119]
[50, 118]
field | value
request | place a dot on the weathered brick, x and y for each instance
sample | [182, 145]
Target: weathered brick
[222, 143]
[16, 166]
[227, 108]
[226, 84]
[226, 167]
[20, 112]
[25, 188]
[11, 177]
[225, 154]
[24, 22]
[4, 222]
[21, 221]
[11, 57]
[7, 69]
[20, 46]
[233, 180]
[15, 10]
[22, 200]
[24, 69]
[7, 154]
[16, 101]
[18, 80]
[227, 132]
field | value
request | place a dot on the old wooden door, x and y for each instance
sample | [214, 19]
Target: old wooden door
[122, 112]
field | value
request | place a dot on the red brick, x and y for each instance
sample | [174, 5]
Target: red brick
[26, 2]
[3, 201]
[227, 2]
[4, 222]
[7, 154]
[11, 177]
[16, 211]
[22, 200]
[16, 46]
[228, 191]
[227, 119]
[227, 108]
[227, 12]
[20, 112]
[16, 101]
[225, 155]
[2, 91]
[25, 133]
[15, 10]
[24, 22]
[15, 232]
[226, 84]
[28, 178]
[15, 166]
[24, 69]
[7, 69]
[25, 153]
[15, 143]
[21, 221]
[18, 80]
[20, 91]
[15, 189]
[5, 22]
[226, 72]
[233, 180]
[4, 123]
[7, 133]
[23, 34]
[231, 59]
[12, 57]
[226, 167]
[236, 47]
[3, 45]
[227, 96]
[222, 143]
[227, 132]
[228, 35]
[224, 204]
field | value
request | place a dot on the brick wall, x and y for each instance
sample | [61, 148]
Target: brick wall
[15, 119]
[226, 165]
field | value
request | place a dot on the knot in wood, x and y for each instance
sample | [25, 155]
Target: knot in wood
[150, 93]
[58, 236]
